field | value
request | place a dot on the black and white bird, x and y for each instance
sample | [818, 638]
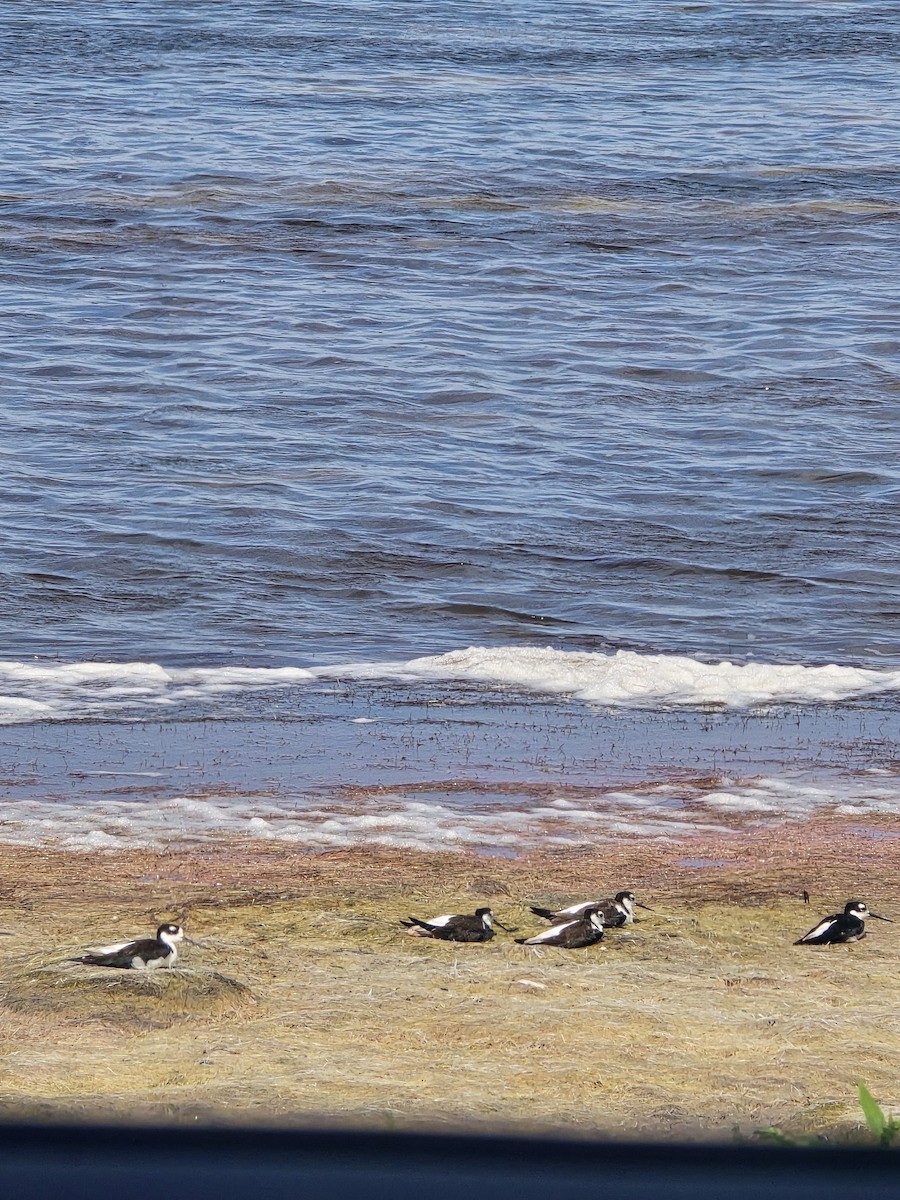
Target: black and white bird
[848, 926]
[142, 954]
[455, 927]
[617, 911]
[583, 930]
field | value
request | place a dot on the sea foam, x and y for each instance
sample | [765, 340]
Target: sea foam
[634, 680]
[396, 820]
[42, 691]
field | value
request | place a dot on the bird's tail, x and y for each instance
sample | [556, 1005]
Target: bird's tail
[547, 913]
[418, 926]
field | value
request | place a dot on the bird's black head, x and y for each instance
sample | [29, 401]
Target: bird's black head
[859, 908]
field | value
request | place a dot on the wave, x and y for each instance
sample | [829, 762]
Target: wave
[632, 680]
[42, 691]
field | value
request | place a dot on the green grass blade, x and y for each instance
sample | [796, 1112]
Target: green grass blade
[773, 1134]
[871, 1111]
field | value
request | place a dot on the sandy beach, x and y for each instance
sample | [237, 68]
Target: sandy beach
[307, 1003]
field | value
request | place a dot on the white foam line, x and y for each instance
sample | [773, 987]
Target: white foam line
[394, 820]
[32, 691]
[633, 680]
[132, 774]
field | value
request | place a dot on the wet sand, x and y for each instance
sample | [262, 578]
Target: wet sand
[441, 770]
[699, 1021]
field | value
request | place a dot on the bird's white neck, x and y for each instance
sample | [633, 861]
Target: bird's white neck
[168, 940]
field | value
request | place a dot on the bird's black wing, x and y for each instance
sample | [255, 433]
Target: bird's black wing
[417, 922]
[547, 913]
[820, 934]
[124, 957]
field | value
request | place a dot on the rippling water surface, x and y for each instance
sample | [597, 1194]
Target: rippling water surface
[340, 330]
[343, 332]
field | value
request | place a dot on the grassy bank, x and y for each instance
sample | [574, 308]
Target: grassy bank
[307, 1002]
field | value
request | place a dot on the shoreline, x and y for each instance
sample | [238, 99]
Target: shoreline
[748, 862]
[446, 768]
[700, 1020]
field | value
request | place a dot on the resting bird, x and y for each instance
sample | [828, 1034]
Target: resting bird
[142, 954]
[581, 931]
[455, 927]
[616, 912]
[848, 926]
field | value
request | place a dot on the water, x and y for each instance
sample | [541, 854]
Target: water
[351, 334]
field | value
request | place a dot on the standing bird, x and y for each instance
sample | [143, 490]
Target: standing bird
[616, 912]
[455, 927]
[848, 926]
[143, 954]
[584, 930]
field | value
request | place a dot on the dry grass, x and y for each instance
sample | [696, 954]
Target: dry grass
[308, 1003]
[152, 998]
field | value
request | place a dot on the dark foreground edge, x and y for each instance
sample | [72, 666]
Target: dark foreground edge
[86, 1163]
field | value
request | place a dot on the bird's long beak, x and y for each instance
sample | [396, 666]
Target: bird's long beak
[190, 941]
[877, 918]
[505, 928]
[647, 906]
